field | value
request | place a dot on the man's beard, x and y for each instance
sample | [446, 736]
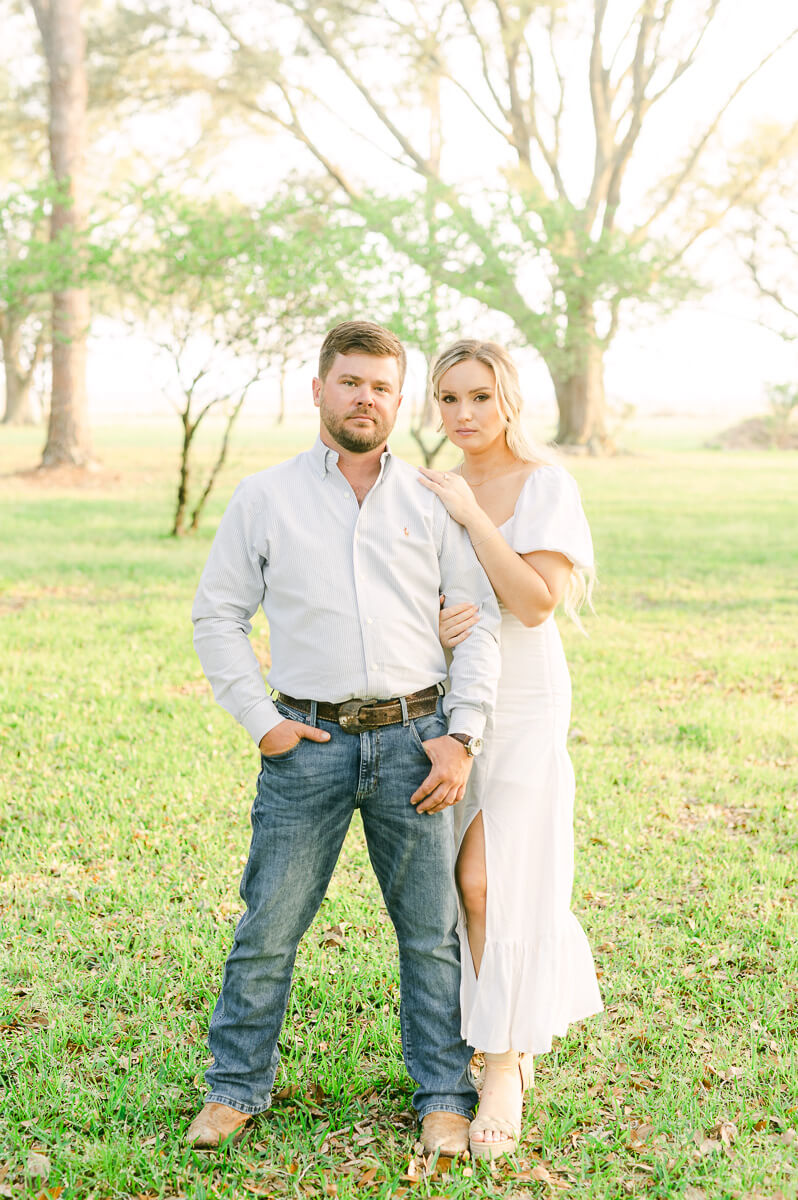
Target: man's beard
[357, 441]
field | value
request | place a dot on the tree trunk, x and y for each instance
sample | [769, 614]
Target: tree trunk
[221, 458]
[579, 386]
[189, 429]
[19, 406]
[67, 434]
[429, 453]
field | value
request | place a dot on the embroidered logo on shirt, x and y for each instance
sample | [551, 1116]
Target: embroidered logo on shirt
[406, 531]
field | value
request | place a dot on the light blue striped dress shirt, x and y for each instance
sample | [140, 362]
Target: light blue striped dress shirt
[350, 593]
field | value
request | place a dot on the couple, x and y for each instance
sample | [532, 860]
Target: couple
[350, 558]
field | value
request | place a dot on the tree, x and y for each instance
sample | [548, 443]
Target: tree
[224, 292]
[561, 251]
[64, 49]
[766, 237]
[27, 265]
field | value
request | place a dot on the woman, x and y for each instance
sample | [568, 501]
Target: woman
[527, 967]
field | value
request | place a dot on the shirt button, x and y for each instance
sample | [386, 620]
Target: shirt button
[369, 620]
[374, 666]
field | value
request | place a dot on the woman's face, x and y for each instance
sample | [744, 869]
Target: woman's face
[467, 401]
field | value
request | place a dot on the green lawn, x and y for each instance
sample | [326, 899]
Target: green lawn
[124, 822]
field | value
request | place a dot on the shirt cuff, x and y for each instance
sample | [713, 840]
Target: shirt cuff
[260, 719]
[467, 720]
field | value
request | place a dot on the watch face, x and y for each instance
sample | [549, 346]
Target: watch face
[475, 747]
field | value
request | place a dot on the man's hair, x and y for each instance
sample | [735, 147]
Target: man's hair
[361, 337]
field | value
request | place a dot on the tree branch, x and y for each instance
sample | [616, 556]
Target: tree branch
[700, 146]
[37, 356]
[638, 106]
[771, 293]
[689, 58]
[330, 49]
[603, 127]
[486, 72]
[733, 199]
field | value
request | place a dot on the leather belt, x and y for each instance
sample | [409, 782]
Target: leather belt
[356, 715]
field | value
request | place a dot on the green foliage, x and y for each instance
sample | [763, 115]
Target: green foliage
[126, 796]
[227, 292]
[31, 265]
[518, 245]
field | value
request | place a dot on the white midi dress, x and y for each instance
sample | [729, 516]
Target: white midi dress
[537, 973]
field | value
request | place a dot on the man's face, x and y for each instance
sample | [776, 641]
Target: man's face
[358, 400]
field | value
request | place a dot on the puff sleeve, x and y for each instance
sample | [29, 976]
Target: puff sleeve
[549, 516]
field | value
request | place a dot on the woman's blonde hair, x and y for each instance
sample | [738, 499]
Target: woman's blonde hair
[510, 402]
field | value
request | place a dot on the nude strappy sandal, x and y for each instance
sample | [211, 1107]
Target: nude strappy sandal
[510, 1061]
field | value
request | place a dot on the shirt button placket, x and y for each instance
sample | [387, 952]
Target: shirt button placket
[362, 598]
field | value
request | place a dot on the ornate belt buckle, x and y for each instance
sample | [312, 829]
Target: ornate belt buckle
[349, 715]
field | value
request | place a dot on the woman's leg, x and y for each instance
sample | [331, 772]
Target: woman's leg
[471, 874]
[505, 1074]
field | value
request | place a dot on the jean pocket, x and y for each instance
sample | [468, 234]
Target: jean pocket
[424, 729]
[289, 714]
[272, 758]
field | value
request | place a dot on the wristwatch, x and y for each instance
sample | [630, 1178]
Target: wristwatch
[473, 745]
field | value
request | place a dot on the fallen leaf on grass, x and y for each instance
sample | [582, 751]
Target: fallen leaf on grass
[725, 1130]
[705, 1146]
[38, 1166]
[541, 1173]
[724, 1075]
[694, 1193]
[333, 937]
[639, 1136]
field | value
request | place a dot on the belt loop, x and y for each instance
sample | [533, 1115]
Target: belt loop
[403, 706]
[314, 708]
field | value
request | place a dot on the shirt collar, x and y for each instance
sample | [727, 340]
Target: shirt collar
[325, 458]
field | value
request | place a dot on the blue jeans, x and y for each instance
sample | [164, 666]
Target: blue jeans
[304, 804]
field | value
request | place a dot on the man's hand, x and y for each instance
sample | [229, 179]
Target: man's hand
[446, 782]
[284, 737]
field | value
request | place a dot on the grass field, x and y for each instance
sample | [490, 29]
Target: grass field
[124, 824]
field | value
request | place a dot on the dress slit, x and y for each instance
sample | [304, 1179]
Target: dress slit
[536, 975]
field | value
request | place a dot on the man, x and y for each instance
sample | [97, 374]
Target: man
[347, 555]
